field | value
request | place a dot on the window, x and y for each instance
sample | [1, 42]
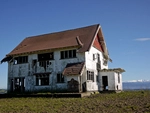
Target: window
[90, 75]
[98, 58]
[60, 78]
[105, 62]
[46, 56]
[42, 79]
[118, 78]
[21, 59]
[68, 54]
[94, 57]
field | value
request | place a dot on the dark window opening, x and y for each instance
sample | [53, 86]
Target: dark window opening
[60, 78]
[98, 58]
[90, 75]
[42, 79]
[21, 59]
[62, 54]
[68, 54]
[74, 53]
[46, 56]
[118, 78]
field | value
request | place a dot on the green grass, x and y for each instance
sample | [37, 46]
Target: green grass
[125, 102]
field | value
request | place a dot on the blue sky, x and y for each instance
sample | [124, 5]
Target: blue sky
[125, 25]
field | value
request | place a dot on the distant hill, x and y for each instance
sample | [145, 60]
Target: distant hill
[2, 91]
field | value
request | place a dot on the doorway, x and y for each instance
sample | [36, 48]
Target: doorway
[105, 83]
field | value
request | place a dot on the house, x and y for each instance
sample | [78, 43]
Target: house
[74, 60]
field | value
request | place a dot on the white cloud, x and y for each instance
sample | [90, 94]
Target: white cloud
[142, 39]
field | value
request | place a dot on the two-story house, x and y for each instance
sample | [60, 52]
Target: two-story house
[74, 60]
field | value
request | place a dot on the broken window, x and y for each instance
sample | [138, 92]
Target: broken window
[90, 75]
[42, 79]
[44, 59]
[46, 56]
[60, 78]
[68, 54]
[21, 59]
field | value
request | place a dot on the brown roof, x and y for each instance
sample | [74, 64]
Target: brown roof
[73, 68]
[80, 37]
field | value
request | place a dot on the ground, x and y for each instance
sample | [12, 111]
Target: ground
[128, 101]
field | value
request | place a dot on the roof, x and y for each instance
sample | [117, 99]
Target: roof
[73, 68]
[79, 37]
[82, 38]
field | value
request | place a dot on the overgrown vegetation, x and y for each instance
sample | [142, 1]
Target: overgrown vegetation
[128, 101]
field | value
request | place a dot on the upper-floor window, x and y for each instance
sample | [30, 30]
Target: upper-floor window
[98, 58]
[68, 54]
[105, 62]
[45, 56]
[21, 59]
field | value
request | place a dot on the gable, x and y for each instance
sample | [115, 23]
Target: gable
[97, 44]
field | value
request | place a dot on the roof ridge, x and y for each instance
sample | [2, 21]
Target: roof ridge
[63, 31]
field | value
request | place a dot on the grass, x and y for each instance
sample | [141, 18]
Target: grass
[125, 102]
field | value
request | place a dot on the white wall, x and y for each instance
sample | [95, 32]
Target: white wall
[57, 66]
[91, 65]
[112, 80]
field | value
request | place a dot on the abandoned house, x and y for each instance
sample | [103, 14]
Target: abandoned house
[74, 60]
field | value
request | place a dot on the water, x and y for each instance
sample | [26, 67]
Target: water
[136, 85]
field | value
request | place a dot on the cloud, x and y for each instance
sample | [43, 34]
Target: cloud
[142, 39]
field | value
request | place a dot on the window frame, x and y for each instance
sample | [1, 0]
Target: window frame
[90, 75]
[42, 80]
[68, 54]
[20, 60]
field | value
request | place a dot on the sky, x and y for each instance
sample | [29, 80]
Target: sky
[125, 26]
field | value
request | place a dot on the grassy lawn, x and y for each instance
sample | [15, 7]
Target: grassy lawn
[128, 101]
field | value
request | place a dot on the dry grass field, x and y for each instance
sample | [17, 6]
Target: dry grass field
[125, 102]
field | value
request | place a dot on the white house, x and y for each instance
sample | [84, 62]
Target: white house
[74, 60]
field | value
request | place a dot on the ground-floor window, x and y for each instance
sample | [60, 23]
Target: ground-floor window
[42, 79]
[90, 75]
[60, 78]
